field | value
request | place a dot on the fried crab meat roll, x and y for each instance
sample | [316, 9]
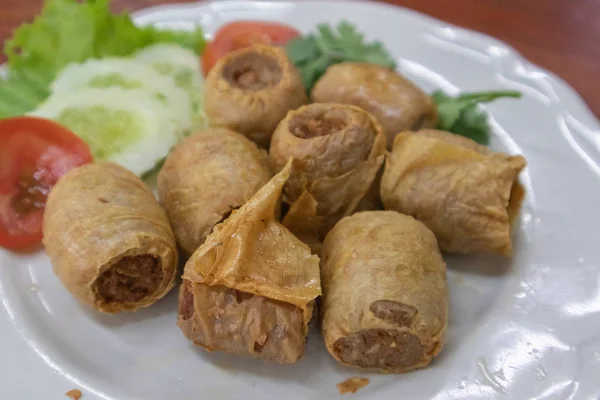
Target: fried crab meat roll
[250, 288]
[109, 241]
[396, 102]
[251, 90]
[466, 194]
[205, 177]
[385, 297]
[337, 151]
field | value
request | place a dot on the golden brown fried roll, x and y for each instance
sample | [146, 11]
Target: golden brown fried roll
[109, 241]
[205, 177]
[337, 150]
[395, 101]
[251, 90]
[466, 194]
[385, 298]
[250, 288]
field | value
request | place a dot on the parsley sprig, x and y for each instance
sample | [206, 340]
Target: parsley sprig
[313, 54]
[461, 114]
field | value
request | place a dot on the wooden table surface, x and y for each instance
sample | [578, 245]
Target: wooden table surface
[559, 35]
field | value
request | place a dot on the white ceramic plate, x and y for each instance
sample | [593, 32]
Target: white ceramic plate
[525, 328]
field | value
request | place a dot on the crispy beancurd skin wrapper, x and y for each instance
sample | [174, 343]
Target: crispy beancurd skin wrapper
[395, 101]
[385, 296]
[466, 194]
[251, 90]
[205, 177]
[250, 288]
[303, 221]
[337, 151]
[101, 223]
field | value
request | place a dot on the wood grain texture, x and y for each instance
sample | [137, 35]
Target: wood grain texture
[559, 35]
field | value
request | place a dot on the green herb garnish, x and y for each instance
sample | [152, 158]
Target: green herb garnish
[314, 53]
[70, 31]
[462, 116]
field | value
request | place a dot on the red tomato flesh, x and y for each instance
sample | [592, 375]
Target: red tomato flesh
[34, 154]
[241, 34]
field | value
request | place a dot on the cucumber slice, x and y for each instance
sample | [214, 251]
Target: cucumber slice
[128, 126]
[126, 74]
[175, 61]
[184, 67]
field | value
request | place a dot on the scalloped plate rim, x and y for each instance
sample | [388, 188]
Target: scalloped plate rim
[567, 103]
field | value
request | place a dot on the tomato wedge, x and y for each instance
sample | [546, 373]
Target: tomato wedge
[34, 153]
[241, 34]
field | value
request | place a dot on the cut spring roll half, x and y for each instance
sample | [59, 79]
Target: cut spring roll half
[385, 297]
[109, 241]
[251, 90]
[250, 288]
[338, 151]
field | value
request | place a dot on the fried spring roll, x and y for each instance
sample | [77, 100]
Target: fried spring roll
[395, 101]
[251, 90]
[109, 241]
[338, 151]
[385, 297]
[205, 177]
[250, 288]
[466, 194]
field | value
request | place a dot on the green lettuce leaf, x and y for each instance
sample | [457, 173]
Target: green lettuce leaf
[70, 31]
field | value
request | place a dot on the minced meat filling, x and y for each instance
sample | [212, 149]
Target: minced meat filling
[252, 71]
[221, 318]
[186, 301]
[380, 348]
[130, 279]
[308, 126]
[394, 312]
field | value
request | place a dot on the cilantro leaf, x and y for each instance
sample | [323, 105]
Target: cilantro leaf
[313, 70]
[462, 115]
[449, 112]
[302, 51]
[70, 31]
[313, 54]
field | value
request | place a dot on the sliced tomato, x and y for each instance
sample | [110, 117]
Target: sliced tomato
[34, 153]
[241, 34]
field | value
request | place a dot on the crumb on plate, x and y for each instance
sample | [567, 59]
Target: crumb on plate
[351, 385]
[75, 394]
